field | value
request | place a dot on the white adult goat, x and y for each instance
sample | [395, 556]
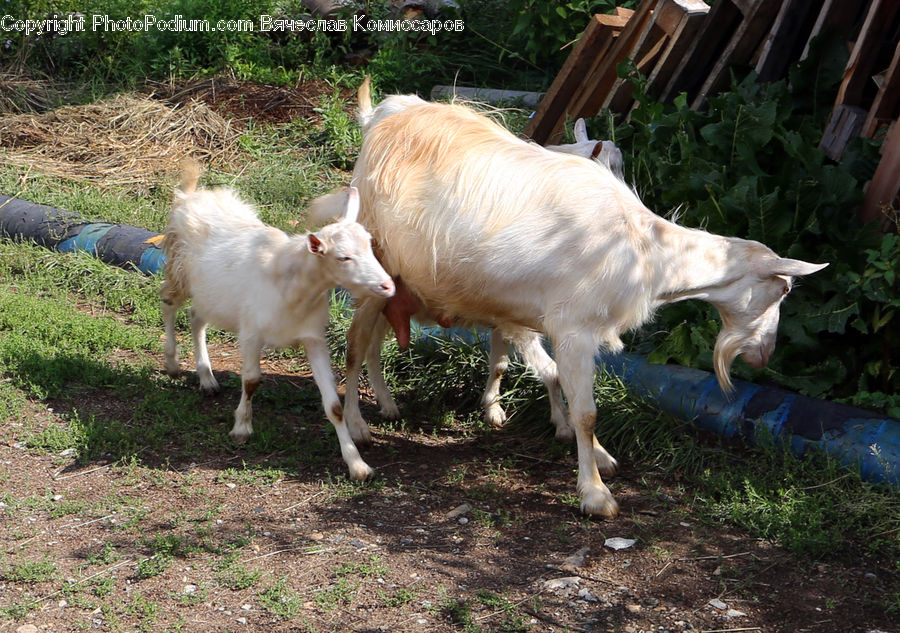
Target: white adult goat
[271, 289]
[484, 228]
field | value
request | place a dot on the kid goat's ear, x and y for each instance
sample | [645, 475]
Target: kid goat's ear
[580, 131]
[316, 245]
[351, 211]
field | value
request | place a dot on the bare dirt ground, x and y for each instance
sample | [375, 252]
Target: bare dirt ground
[458, 533]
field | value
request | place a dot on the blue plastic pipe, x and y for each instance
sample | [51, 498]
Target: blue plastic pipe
[855, 437]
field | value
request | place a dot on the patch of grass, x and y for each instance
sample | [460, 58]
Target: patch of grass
[251, 475]
[398, 598]
[279, 600]
[337, 595]
[234, 576]
[32, 571]
[152, 566]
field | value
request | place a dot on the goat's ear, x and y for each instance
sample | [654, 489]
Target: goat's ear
[580, 131]
[351, 211]
[315, 245]
[794, 267]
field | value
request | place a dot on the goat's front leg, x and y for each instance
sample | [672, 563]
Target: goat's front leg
[575, 356]
[389, 408]
[319, 361]
[499, 361]
[251, 348]
[204, 369]
[359, 340]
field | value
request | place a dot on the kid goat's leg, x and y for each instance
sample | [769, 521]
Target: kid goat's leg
[319, 361]
[201, 354]
[251, 348]
[575, 356]
[170, 305]
[538, 360]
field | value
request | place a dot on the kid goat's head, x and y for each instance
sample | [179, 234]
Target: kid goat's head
[749, 307]
[345, 249]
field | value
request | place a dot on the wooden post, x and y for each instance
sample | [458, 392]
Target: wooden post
[885, 185]
[552, 110]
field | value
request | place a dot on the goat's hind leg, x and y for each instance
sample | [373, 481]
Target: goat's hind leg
[170, 304]
[360, 341]
[537, 359]
[499, 361]
[319, 361]
[201, 354]
[251, 375]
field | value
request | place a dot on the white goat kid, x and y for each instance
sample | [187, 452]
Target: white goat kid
[604, 152]
[271, 289]
[484, 228]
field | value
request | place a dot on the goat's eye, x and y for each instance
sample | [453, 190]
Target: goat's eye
[345, 258]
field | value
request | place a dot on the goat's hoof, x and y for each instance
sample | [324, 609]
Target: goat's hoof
[361, 439]
[361, 471]
[564, 433]
[239, 437]
[210, 388]
[599, 502]
[495, 416]
[390, 411]
[606, 463]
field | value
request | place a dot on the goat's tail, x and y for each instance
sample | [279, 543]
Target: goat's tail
[364, 101]
[179, 229]
[190, 175]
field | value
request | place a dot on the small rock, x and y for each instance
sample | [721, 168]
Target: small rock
[230, 484]
[62, 604]
[734, 613]
[463, 520]
[585, 594]
[421, 621]
[246, 607]
[618, 543]
[317, 536]
[633, 608]
[27, 628]
[460, 510]
[715, 603]
[562, 583]
[242, 621]
[576, 560]
[870, 576]
[189, 589]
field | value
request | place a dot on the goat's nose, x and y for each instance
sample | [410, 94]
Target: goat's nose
[388, 286]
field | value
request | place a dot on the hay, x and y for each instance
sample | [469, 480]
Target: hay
[19, 93]
[128, 140]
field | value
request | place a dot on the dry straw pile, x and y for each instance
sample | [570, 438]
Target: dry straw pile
[127, 140]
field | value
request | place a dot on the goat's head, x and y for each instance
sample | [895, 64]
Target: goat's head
[749, 307]
[604, 152]
[345, 249]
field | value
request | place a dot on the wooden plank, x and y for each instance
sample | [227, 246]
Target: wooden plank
[863, 57]
[885, 186]
[680, 40]
[886, 106]
[701, 54]
[594, 41]
[784, 44]
[664, 22]
[758, 18]
[844, 124]
[838, 15]
[590, 98]
[623, 12]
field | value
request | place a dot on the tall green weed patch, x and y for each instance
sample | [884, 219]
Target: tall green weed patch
[749, 167]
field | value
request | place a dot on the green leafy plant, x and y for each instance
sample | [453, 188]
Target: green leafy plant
[750, 167]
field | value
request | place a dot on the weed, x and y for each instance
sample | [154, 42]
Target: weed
[279, 600]
[399, 598]
[32, 571]
[102, 587]
[153, 566]
[234, 576]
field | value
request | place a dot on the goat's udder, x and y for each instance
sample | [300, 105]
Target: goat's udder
[398, 310]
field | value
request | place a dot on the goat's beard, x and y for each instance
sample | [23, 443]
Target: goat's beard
[728, 346]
